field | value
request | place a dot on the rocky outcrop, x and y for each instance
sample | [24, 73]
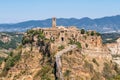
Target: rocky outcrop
[115, 50]
[39, 58]
[114, 47]
[87, 65]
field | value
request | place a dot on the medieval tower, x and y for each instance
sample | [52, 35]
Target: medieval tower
[53, 22]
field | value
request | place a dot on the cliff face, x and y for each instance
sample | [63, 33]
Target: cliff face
[114, 47]
[31, 65]
[115, 50]
[87, 65]
[39, 59]
[30, 61]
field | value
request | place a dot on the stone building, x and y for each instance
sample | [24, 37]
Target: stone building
[61, 35]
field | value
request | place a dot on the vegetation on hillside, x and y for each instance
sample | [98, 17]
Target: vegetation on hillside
[47, 69]
[31, 34]
[47, 61]
[10, 61]
[13, 43]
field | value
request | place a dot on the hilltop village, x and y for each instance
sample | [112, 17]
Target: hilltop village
[62, 35]
[60, 53]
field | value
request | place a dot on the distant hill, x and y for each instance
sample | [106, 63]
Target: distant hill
[104, 25]
[9, 40]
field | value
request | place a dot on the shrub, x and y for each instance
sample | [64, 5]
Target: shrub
[98, 34]
[61, 47]
[31, 34]
[78, 44]
[11, 60]
[87, 33]
[94, 60]
[1, 59]
[11, 54]
[25, 40]
[30, 31]
[117, 77]
[44, 73]
[116, 55]
[88, 66]
[107, 71]
[67, 73]
[52, 40]
[116, 68]
[41, 35]
[71, 41]
[86, 45]
[82, 31]
[92, 33]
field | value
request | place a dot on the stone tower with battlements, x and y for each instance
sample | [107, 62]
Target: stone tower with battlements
[53, 22]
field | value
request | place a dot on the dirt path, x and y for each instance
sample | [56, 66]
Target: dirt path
[58, 60]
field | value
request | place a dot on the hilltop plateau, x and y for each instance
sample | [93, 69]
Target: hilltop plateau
[60, 53]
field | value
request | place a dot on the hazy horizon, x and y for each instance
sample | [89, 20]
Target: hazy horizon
[13, 11]
[55, 17]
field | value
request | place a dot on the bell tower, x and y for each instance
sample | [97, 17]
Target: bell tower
[53, 22]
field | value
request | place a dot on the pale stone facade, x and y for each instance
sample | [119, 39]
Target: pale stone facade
[114, 47]
[62, 35]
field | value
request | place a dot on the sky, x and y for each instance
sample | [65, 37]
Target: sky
[13, 11]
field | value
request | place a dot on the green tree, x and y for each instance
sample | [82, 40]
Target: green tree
[92, 33]
[82, 31]
[98, 34]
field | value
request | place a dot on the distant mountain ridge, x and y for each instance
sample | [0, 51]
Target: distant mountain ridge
[103, 25]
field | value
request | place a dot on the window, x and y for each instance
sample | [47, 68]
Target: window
[62, 39]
